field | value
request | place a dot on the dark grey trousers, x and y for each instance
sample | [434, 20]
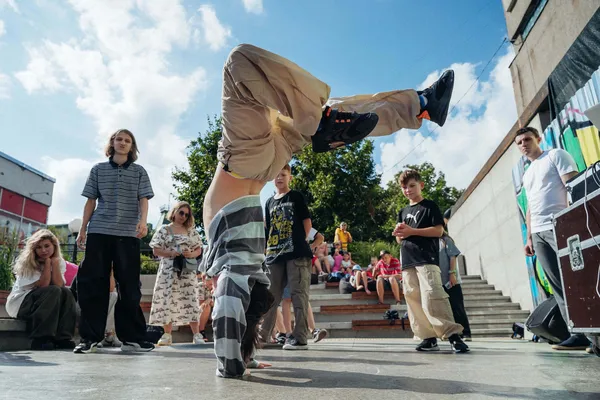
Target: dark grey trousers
[50, 312]
[296, 273]
[546, 251]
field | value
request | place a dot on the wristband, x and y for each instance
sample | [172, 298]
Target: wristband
[453, 272]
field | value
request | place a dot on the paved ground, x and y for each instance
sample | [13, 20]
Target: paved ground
[332, 369]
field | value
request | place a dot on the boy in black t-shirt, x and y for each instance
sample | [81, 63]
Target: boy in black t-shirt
[420, 225]
[287, 223]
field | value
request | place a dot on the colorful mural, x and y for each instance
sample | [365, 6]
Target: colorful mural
[573, 132]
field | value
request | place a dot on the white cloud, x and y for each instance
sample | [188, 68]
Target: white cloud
[2, 28]
[71, 174]
[253, 6]
[119, 72]
[10, 3]
[215, 33]
[470, 135]
[4, 86]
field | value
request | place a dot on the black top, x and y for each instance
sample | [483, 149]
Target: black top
[419, 250]
[286, 237]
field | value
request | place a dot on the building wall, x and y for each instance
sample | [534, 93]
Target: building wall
[26, 183]
[515, 15]
[487, 230]
[25, 197]
[558, 26]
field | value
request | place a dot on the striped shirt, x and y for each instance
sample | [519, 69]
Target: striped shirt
[236, 240]
[392, 269]
[118, 189]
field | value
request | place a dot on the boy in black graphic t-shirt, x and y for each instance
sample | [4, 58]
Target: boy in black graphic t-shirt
[419, 228]
[287, 223]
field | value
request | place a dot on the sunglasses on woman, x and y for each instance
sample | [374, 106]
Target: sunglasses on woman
[183, 214]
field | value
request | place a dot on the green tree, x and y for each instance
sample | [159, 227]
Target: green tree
[192, 184]
[435, 188]
[341, 186]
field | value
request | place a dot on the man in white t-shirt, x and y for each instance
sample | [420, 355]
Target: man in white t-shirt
[544, 183]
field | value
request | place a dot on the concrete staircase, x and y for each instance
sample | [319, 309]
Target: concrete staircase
[357, 315]
[490, 313]
[346, 315]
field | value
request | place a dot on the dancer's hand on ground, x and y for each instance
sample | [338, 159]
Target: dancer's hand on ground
[81, 237]
[141, 229]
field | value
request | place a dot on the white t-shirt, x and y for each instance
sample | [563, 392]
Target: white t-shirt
[24, 285]
[546, 192]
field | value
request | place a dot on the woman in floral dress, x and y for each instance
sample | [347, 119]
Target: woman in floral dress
[175, 299]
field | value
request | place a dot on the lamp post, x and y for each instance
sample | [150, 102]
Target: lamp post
[74, 227]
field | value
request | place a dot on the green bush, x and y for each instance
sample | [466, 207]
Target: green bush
[363, 251]
[8, 250]
[149, 265]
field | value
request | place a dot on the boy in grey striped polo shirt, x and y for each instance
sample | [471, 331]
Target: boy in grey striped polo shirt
[114, 220]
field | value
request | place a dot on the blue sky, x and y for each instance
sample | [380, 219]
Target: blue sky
[71, 72]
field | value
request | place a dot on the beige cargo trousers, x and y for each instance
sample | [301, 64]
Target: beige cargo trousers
[271, 107]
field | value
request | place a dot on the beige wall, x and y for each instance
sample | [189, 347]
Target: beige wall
[556, 29]
[487, 230]
[514, 17]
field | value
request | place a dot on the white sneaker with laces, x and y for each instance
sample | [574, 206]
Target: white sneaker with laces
[199, 338]
[165, 340]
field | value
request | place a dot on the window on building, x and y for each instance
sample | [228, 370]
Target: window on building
[533, 18]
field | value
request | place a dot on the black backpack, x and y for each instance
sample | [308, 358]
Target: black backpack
[547, 322]
[345, 287]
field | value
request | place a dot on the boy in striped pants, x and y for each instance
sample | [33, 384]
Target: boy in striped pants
[272, 109]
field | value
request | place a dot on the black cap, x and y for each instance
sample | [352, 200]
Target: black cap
[384, 252]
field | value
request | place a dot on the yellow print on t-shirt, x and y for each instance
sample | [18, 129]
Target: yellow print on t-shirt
[280, 240]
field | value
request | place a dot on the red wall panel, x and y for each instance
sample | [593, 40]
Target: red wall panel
[11, 202]
[35, 211]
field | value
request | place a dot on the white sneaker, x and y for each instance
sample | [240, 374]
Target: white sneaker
[165, 340]
[199, 339]
[319, 334]
[110, 341]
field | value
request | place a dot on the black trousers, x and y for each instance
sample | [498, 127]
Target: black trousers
[50, 313]
[93, 285]
[458, 308]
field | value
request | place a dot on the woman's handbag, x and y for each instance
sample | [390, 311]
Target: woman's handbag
[182, 265]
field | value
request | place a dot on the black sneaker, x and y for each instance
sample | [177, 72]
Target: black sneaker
[137, 347]
[292, 343]
[342, 127]
[64, 344]
[575, 342]
[457, 344]
[86, 346]
[280, 338]
[42, 344]
[428, 345]
[438, 98]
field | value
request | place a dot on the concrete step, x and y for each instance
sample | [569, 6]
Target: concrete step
[13, 335]
[489, 306]
[473, 282]
[516, 315]
[477, 286]
[491, 332]
[477, 292]
[471, 277]
[490, 298]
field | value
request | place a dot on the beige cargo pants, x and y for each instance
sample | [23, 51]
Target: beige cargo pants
[429, 310]
[271, 107]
